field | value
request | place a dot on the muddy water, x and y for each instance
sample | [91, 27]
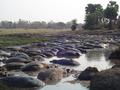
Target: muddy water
[94, 58]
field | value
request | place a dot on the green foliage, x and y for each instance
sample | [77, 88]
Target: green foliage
[111, 12]
[14, 40]
[74, 25]
[94, 16]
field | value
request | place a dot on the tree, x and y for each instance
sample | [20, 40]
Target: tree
[74, 25]
[94, 16]
[111, 12]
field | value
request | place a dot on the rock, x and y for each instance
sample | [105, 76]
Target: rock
[17, 59]
[88, 73]
[68, 62]
[68, 54]
[106, 80]
[20, 82]
[32, 66]
[14, 65]
[51, 75]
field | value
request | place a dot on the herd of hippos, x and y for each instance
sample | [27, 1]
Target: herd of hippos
[30, 58]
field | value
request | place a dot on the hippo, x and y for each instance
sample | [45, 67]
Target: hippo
[14, 65]
[20, 82]
[88, 73]
[32, 66]
[17, 59]
[67, 62]
[68, 54]
[51, 75]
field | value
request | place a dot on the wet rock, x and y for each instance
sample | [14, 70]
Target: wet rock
[20, 82]
[106, 80]
[52, 74]
[67, 62]
[14, 65]
[32, 66]
[17, 59]
[68, 54]
[88, 73]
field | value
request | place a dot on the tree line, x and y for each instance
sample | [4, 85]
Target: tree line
[98, 18]
[36, 24]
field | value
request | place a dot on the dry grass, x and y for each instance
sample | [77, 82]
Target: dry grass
[31, 31]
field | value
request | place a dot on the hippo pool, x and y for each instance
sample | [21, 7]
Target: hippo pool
[94, 58]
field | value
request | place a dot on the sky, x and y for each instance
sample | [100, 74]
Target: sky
[46, 10]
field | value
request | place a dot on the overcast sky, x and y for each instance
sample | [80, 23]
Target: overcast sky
[46, 10]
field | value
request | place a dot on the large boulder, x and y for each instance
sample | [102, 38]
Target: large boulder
[88, 73]
[67, 62]
[106, 80]
[68, 54]
[20, 82]
[51, 75]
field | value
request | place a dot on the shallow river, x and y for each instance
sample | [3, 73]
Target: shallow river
[94, 58]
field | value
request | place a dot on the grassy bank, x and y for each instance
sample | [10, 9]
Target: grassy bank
[14, 40]
[31, 31]
[13, 37]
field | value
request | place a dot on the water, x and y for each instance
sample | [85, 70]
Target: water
[94, 58]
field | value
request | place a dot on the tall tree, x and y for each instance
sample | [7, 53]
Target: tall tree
[94, 16]
[111, 12]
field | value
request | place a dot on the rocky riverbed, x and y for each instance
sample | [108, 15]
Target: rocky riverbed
[56, 63]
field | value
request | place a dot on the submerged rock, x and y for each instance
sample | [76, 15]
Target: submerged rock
[20, 82]
[106, 80]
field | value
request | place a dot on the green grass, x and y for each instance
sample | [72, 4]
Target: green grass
[13, 37]
[14, 40]
[31, 31]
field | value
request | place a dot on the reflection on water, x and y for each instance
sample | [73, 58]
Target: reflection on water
[94, 58]
[64, 85]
